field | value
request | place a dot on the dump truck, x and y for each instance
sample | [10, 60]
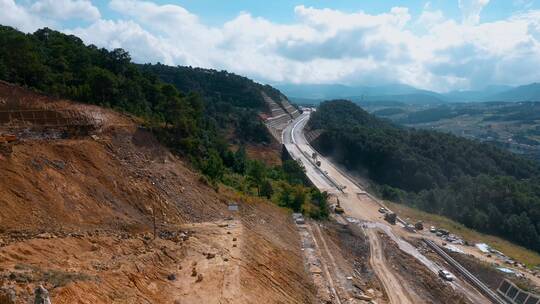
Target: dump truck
[390, 217]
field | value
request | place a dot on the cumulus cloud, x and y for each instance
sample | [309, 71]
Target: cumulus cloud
[17, 16]
[66, 9]
[324, 45]
[129, 35]
[428, 18]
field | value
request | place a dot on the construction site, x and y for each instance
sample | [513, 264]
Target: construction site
[405, 263]
[95, 210]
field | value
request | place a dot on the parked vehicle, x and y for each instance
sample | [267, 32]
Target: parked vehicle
[410, 228]
[446, 275]
[443, 231]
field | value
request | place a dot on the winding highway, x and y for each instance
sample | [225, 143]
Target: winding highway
[361, 208]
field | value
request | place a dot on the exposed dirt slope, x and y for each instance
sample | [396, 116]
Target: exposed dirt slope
[77, 211]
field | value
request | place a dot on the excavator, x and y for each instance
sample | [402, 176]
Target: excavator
[338, 209]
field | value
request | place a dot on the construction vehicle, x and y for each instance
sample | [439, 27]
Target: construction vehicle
[390, 217]
[338, 209]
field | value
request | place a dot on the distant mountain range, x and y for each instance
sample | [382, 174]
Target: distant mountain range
[314, 93]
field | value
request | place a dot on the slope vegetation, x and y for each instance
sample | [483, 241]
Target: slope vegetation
[476, 184]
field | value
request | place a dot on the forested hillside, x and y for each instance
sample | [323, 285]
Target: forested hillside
[192, 115]
[477, 184]
[231, 100]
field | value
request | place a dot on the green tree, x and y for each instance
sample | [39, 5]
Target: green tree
[240, 159]
[103, 85]
[320, 200]
[213, 166]
[299, 198]
[256, 173]
[294, 172]
[266, 189]
[285, 196]
[3, 70]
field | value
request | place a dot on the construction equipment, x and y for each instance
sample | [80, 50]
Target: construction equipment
[390, 217]
[338, 209]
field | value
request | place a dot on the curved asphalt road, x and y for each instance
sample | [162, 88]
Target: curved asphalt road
[354, 200]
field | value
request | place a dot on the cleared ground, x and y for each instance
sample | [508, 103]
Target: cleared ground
[77, 214]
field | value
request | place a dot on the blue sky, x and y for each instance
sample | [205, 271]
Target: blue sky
[438, 45]
[216, 12]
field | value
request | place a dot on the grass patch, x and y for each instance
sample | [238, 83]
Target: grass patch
[516, 252]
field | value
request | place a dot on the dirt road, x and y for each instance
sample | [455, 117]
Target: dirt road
[395, 288]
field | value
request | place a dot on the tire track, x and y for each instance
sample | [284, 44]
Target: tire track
[324, 265]
[393, 285]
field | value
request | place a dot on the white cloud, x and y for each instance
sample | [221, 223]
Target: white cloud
[430, 51]
[471, 9]
[430, 18]
[165, 18]
[17, 16]
[66, 9]
[142, 45]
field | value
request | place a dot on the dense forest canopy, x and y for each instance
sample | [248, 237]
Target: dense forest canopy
[215, 85]
[231, 100]
[477, 184]
[188, 109]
